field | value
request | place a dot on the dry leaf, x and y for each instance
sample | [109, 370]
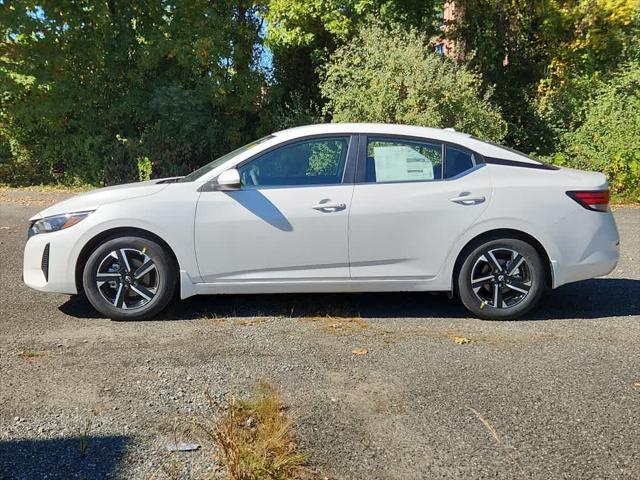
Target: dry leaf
[359, 351]
[461, 340]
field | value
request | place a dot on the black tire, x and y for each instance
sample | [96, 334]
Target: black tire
[501, 290]
[116, 292]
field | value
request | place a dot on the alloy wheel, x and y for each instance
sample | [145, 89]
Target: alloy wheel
[127, 278]
[501, 278]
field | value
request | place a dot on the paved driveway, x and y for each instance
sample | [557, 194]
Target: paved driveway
[554, 396]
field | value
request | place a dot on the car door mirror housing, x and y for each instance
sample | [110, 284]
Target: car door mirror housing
[228, 180]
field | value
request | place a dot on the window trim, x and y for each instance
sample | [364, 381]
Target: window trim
[363, 143]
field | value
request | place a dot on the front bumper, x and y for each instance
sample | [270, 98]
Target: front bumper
[49, 263]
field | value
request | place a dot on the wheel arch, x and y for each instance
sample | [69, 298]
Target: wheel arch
[499, 233]
[89, 246]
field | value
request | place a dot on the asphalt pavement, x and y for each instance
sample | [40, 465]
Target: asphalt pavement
[437, 395]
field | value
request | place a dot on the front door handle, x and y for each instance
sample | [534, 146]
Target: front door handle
[329, 207]
[466, 200]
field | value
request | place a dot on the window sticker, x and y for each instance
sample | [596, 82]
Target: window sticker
[401, 163]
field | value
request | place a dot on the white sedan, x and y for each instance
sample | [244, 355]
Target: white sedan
[333, 208]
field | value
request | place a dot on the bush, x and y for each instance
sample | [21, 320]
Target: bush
[391, 76]
[607, 140]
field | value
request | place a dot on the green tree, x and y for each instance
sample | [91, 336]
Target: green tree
[391, 76]
[89, 89]
[599, 36]
[543, 57]
[506, 41]
[303, 34]
[607, 141]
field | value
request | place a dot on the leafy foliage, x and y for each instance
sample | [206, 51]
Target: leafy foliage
[98, 92]
[543, 57]
[389, 76]
[304, 22]
[304, 33]
[90, 88]
[607, 141]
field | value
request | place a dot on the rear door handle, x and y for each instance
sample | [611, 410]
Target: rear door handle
[466, 200]
[329, 207]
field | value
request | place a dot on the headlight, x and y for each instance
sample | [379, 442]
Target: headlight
[56, 222]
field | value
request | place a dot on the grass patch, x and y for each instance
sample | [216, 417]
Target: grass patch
[48, 188]
[631, 199]
[249, 322]
[30, 354]
[338, 325]
[255, 439]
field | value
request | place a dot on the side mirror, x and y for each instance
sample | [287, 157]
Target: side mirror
[228, 180]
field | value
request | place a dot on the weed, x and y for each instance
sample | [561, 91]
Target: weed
[255, 439]
[30, 354]
[84, 436]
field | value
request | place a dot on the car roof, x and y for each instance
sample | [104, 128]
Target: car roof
[447, 135]
[376, 128]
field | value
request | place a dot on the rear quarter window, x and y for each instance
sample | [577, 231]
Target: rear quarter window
[457, 161]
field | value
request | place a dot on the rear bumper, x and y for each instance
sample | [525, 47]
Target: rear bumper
[55, 273]
[589, 246]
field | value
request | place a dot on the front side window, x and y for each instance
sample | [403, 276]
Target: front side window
[395, 160]
[309, 162]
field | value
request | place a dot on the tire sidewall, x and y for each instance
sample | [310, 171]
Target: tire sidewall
[164, 265]
[538, 284]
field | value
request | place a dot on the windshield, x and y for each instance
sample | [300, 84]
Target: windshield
[220, 160]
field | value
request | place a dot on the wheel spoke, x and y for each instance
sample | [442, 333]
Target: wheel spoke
[108, 277]
[478, 282]
[118, 301]
[519, 286]
[497, 296]
[143, 292]
[145, 268]
[122, 258]
[514, 264]
[494, 262]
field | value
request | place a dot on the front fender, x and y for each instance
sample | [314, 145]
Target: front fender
[172, 221]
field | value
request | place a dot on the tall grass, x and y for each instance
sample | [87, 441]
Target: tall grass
[255, 438]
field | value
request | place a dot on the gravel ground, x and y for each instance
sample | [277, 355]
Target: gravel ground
[554, 396]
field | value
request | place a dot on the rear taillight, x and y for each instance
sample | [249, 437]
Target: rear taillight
[597, 200]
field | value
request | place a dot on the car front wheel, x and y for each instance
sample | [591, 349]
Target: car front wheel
[501, 279]
[129, 278]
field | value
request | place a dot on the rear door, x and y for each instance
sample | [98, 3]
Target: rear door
[412, 199]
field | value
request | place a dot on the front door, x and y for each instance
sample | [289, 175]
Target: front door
[288, 222]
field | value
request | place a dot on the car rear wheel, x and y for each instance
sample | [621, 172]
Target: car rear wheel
[129, 278]
[501, 279]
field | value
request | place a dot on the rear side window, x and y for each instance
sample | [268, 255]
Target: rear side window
[395, 160]
[457, 162]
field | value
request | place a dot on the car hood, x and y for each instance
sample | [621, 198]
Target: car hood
[101, 196]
